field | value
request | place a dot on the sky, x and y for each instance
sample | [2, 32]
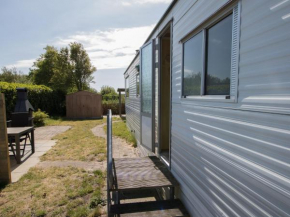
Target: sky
[110, 30]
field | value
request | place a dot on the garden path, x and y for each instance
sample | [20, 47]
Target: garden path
[121, 149]
[43, 143]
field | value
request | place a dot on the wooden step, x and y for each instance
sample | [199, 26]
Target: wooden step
[141, 173]
[139, 195]
[152, 208]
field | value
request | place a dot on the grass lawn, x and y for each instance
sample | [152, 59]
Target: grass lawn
[61, 191]
[54, 192]
[78, 143]
[120, 129]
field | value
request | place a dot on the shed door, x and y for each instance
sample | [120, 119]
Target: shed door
[147, 96]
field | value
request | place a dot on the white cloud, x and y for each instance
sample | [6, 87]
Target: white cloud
[22, 64]
[110, 49]
[141, 2]
[113, 48]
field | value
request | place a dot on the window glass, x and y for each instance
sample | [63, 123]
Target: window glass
[192, 65]
[219, 46]
[137, 84]
[127, 86]
[146, 73]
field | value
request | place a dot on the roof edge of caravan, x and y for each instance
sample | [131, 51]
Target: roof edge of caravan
[152, 32]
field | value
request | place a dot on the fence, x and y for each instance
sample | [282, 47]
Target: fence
[5, 173]
[84, 104]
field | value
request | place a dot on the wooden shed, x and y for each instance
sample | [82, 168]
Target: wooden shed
[84, 104]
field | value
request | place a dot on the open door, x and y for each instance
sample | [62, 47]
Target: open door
[164, 102]
[147, 95]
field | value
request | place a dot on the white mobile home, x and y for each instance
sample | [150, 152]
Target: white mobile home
[209, 94]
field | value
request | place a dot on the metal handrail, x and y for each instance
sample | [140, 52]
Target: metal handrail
[109, 160]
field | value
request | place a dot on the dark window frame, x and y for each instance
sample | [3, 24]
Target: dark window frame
[183, 50]
[127, 89]
[138, 86]
[204, 31]
[233, 8]
[206, 41]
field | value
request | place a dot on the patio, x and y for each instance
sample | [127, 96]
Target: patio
[43, 143]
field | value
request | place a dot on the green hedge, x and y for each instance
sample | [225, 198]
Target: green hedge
[40, 97]
[114, 106]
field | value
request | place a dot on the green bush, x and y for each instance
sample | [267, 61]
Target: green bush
[107, 90]
[39, 117]
[114, 106]
[40, 97]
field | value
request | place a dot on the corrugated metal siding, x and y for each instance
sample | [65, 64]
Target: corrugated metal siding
[198, 13]
[132, 103]
[233, 159]
[230, 161]
[264, 81]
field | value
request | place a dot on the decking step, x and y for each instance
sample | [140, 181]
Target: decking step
[141, 173]
[152, 208]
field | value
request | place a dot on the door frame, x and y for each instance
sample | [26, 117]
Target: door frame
[152, 42]
[169, 25]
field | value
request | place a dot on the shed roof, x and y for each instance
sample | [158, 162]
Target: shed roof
[121, 89]
[83, 92]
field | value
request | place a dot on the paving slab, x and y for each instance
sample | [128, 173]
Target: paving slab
[29, 160]
[43, 143]
[48, 132]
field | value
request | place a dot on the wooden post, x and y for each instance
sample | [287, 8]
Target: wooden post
[5, 172]
[120, 104]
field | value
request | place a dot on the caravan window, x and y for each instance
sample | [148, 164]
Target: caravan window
[218, 61]
[192, 65]
[138, 85]
[127, 89]
[146, 79]
[210, 58]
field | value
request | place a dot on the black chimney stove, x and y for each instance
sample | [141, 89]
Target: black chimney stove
[22, 116]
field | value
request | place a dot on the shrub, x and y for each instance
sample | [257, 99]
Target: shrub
[107, 90]
[39, 117]
[40, 97]
[114, 106]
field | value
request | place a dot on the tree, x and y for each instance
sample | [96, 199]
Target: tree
[44, 67]
[108, 93]
[82, 69]
[62, 78]
[53, 69]
[11, 75]
[107, 90]
[67, 69]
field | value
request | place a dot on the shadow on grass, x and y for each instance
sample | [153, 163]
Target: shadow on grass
[123, 119]
[61, 118]
[58, 120]
[2, 186]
